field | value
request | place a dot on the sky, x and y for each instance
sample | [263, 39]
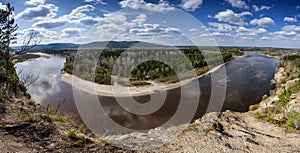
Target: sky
[255, 23]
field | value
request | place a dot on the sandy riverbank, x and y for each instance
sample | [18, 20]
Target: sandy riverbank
[123, 91]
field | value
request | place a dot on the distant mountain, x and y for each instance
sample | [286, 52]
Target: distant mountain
[121, 44]
[95, 45]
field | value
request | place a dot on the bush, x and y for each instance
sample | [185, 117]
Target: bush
[253, 107]
[73, 135]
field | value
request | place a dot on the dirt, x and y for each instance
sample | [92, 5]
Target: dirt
[242, 133]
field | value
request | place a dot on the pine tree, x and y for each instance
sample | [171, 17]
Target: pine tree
[7, 33]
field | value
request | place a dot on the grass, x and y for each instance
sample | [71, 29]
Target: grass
[31, 119]
[82, 129]
[32, 102]
[292, 121]
[61, 118]
[73, 135]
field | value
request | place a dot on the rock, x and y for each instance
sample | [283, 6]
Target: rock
[210, 117]
[293, 96]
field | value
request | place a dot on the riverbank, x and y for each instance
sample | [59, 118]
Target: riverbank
[124, 91]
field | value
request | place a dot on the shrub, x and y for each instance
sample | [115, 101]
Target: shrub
[253, 107]
[264, 97]
[73, 135]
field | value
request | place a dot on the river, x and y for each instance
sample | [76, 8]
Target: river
[248, 79]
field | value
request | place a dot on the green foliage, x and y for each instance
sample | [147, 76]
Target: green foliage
[31, 119]
[284, 98]
[292, 121]
[119, 63]
[61, 118]
[1, 95]
[264, 97]
[253, 107]
[272, 53]
[32, 102]
[73, 135]
[82, 129]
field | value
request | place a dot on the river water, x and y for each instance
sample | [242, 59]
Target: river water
[248, 79]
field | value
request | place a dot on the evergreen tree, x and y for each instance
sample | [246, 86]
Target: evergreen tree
[7, 32]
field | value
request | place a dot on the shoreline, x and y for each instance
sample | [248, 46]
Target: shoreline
[123, 91]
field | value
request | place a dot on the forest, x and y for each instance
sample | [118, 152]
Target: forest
[137, 67]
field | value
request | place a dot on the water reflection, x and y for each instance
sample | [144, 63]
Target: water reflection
[248, 79]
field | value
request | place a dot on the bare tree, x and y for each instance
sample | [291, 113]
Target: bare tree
[29, 42]
[27, 79]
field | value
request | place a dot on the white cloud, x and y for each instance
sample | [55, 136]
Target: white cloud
[242, 31]
[35, 2]
[285, 33]
[71, 32]
[290, 28]
[298, 7]
[39, 12]
[163, 6]
[191, 5]
[89, 21]
[77, 13]
[237, 3]
[231, 17]
[221, 27]
[153, 30]
[48, 24]
[264, 22]
[265, 38]
[256, 8]
[41, 33]
[114, 18]
[77, 16]
[140, 19]
[289, 19]
[2, 7]
[96, 1]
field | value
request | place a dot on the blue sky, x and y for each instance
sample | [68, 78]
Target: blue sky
[271, 23]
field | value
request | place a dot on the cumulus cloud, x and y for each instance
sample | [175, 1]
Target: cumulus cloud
[48, 24]
[35, 2]
[96, 1]
[2, 6]
[41, 33]
[162, 6]
[71, 32]
[289, 19]
[237, 3]
[285, 32]
[264, 22]
[140, 19]
[89, 21]
[242, 31]
[290, 28]
[191, 5]
[153, 30]
[77, 16]
[265, 38]
[231, 17]
[77, 13]
[256, 8]
[38, 12]
[221, 27]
